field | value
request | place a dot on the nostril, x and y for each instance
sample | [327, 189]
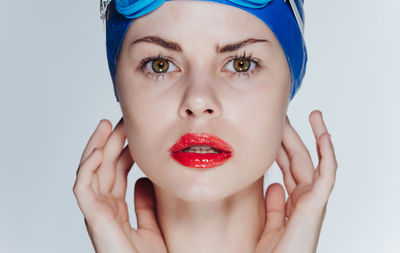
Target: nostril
[189, 112]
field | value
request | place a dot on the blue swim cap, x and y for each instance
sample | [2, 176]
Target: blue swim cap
[285, 18]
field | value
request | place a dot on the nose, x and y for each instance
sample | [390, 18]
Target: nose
[200, 99]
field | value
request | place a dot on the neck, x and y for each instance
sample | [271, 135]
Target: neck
[233, 224]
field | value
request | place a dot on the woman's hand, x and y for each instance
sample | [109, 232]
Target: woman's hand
[100, 190]
[295, 225]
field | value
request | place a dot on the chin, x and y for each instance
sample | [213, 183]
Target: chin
[203, 185]
[213, 185]
[191, 184]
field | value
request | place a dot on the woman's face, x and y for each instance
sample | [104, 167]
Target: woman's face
[198, 87]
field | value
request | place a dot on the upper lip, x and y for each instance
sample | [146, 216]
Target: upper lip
[205, 139]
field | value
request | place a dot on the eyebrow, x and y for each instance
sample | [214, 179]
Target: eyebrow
[174, 46]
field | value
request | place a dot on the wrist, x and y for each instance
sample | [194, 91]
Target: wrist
[109, 237]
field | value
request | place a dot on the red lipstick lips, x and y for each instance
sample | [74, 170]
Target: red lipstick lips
[217, 154]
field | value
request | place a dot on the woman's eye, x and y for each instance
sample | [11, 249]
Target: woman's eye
[242, 66]
[157, 67]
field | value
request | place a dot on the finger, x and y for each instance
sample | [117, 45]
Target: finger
[98, 138]
[284, 165]
[318, 126]
[300, 160]
[83, 185]
[124, 165]
[275, 207]
[145, 205]
[327, 166]
[112, 150]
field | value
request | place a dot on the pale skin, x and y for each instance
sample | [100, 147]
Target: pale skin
[222, 209]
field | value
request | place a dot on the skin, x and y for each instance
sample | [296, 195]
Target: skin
[221, 209]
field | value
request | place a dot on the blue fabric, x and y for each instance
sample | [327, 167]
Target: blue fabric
[276, 14]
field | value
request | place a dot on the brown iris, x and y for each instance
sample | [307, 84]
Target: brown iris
[160, 65]
[241, 64]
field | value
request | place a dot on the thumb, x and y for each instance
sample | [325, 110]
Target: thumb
[145, 208]
[275, 207]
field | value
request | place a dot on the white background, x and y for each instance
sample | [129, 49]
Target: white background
[55, 87]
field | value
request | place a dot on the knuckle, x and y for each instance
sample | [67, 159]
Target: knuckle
[323, 136]
[98, 151]
[77, 189]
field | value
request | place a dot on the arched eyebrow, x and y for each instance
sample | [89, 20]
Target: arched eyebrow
[174, 46]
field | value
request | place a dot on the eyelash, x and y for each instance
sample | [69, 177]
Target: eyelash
[250, 58]
[246, 74]
[146, 60]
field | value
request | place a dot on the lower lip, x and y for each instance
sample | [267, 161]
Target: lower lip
[198, 160]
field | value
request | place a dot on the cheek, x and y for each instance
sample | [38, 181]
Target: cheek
[261, 129]
[262, 137]
[145, 142]
[148, 129]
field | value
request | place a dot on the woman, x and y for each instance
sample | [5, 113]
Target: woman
[205, 118]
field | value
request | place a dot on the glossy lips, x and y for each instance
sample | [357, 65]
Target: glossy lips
[200, 160]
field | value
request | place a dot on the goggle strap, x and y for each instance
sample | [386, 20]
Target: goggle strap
[297, 15]
[103, 8]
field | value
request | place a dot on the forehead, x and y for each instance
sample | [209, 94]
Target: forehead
[189, 21]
